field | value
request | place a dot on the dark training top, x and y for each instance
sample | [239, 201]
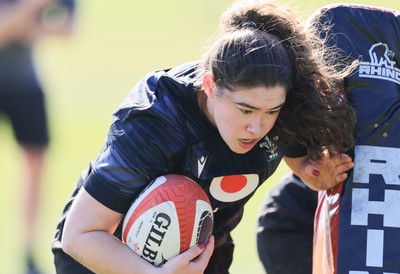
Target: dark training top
[158, 129]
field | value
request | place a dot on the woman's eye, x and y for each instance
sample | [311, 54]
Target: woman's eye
[245, 111]
[273, 112]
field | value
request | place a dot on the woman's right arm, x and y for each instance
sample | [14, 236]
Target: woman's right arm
[88, 238]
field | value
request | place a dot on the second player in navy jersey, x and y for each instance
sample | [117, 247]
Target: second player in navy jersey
[225, 122]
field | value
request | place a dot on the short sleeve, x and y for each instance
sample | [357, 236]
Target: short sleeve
[295, 150]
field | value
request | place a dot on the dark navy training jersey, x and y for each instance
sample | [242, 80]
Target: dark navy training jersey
[159, 129]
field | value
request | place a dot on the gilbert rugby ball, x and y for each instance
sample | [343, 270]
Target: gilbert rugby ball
[172, 214]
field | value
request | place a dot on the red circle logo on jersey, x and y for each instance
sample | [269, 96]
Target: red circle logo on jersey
[233, 187]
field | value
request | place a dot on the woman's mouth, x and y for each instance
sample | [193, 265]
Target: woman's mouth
[247, 143]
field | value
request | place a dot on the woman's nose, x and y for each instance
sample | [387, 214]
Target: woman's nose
[255, 126]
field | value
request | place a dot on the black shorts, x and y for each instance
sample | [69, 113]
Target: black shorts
[27, 114]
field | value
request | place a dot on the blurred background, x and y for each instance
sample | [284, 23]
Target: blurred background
[85, 77]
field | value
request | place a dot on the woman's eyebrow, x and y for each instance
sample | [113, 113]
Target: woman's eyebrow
[256, 108]
[277, 107]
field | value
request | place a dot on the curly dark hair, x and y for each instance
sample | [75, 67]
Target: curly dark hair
[261, 43]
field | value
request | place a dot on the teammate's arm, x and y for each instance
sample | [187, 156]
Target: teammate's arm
[323, 174]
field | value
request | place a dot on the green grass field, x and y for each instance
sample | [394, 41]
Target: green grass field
[86, 76]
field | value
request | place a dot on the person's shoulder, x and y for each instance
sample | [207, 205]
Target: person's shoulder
[171, 78]
[174, 79]
[186, 70]
[167, 94]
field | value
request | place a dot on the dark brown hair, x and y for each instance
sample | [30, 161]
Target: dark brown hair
[262, 44]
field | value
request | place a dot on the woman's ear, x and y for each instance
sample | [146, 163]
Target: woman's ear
[209, 85]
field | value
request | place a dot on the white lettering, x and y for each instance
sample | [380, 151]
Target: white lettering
[362, 206]
[377, 160]
[376, 70]
[366, 70]
[375, 248]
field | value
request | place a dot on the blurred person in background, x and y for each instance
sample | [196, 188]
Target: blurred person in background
[22, 101]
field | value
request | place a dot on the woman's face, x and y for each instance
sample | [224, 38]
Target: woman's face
[244, 116]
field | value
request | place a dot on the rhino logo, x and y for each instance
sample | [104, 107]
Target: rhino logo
[382, 65]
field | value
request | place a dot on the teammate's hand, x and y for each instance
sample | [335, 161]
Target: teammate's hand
[326, 173]
[192, 261]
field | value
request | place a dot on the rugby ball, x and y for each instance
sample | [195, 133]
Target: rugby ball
[172, 214]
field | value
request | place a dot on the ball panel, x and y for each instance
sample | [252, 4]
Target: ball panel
[145, 201]
[172, 214]
[204, 222]
[157, 229]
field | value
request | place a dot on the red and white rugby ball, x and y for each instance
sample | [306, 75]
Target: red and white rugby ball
[172, 214]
